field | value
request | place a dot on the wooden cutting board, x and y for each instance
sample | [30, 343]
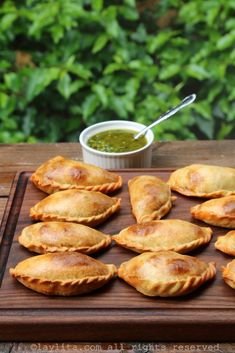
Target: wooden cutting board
[116, 312]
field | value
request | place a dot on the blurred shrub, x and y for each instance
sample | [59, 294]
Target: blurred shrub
[66, 64]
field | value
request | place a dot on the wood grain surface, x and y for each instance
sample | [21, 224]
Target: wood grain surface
[18, 157]
[165, 154]
[116, 304]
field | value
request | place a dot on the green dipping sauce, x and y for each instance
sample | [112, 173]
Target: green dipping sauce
[116, 141]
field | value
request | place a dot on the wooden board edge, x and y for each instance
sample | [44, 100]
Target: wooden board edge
[23, 328]
[10, 219]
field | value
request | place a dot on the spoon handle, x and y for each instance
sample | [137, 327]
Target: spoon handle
[186, 101]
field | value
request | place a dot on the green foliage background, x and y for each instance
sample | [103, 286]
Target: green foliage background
[66, 64]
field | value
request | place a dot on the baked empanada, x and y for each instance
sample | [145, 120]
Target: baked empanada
[60, 174]
[228, 274]
[218, 212]
[226, 243]
[150, 198]
[63, 273]
[46, 237]
[80, 206]
[165, 273]
[170, 234]
[201, 180]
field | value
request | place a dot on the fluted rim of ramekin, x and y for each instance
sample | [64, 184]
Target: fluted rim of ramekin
[149, 136]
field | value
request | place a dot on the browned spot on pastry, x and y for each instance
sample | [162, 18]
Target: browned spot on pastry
[196, 178]
[229, 208]
[156, 259]
[49, 234]
[144, 229]
[178, 266]
[78, 174]
[71, 260]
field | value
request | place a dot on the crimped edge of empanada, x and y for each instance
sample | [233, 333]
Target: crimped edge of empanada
[228, 277]
[91, 221]
[53, 186]
[43, 249]
[212, 218]
[223, 247]
[158, 214]
[182, 249]
[210, 195]
[173, 288]
[65, 288]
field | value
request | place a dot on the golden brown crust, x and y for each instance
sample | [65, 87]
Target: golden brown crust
[60, 173]
[80, 206]
[150, 198]
[173, 234]
[226, 243]
[62, 237]
[228, 274]
[63, 274]
[218, 212]
[166, 273]
[203, 181]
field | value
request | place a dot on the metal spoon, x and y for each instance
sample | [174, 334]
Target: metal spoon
[186, 101]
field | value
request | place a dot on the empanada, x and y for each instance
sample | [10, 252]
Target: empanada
[46, 237]
[228, 274]
[226, 243]
[218, 212]
[60, 174]
[80, 206]
[203, 181]
[150, 198]
[165, 273]
[170, 234]
[63, 273]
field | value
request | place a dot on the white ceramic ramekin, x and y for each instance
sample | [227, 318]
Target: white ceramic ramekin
[140, 158]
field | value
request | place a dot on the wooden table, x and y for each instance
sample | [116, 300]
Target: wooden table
[19, 157]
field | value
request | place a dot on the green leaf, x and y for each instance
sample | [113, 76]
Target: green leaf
[101, 93]
[140, 35]
[109, 20]
[197, 71]
[206, 126]
[13, 81]
[225, 130]
[212, 14]
[204, 109]
[114, 67]
[118, 105]
[132, 87]
[230, 24]
[100, 42]
[28, 121]
[159, 40]
[128, 13]
[7, 21]
[80, 70]
[113, 28]
[135, 64]
[169, 71]
[131, 3]
[64, 85]
[90, 104]
[3, 99]
[57, 32]
[226, 41]
[39, 80]
[215, 90]
[97, 5]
